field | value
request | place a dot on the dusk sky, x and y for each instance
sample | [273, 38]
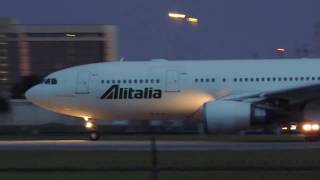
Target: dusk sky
[227, 28]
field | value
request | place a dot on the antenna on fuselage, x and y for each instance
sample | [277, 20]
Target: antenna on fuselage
[121, 59]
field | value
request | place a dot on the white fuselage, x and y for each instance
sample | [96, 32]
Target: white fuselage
[165, 89]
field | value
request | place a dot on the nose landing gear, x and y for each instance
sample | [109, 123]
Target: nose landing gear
[91, 126]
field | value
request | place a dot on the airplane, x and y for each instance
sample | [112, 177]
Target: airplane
[225, 95]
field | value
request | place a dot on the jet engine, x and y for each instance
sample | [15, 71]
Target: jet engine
[231, 116]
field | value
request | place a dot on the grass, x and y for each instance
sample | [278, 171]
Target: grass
[220, 175]
[179, 137]
[73, 176]
[103, 159]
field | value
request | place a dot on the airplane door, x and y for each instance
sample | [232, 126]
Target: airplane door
[172, 81]
[82, 86]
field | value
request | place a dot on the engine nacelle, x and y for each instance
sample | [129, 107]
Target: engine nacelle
[231, 116]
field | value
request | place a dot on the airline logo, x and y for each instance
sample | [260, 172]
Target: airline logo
[117, 92]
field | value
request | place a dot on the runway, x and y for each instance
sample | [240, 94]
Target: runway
[114, 145]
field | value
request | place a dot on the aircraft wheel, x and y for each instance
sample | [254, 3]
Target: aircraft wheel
[94, 136]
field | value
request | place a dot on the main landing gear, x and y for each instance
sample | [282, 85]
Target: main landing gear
[91, 126]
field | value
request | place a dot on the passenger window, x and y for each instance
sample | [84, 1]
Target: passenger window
[47, 81]
[212, 79]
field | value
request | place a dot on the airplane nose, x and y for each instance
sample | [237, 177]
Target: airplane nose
[29, 94]
[37, 95]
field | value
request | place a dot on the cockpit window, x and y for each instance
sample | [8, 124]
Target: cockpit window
[54, 81]
[47, 81]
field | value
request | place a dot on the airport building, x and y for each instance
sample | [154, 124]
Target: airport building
[41, 49]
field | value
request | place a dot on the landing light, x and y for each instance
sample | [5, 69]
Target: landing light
[86, 118]
[89, 125]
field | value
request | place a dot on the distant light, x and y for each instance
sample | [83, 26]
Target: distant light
[293, 127]
[193, 20]
[306, 127]
[70, 35]
[281, 50]
[176, 15]
[284, 128]
[315, 127]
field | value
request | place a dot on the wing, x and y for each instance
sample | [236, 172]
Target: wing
[289, 103]
[290, 96]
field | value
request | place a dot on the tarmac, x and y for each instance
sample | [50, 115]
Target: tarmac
[116, 145]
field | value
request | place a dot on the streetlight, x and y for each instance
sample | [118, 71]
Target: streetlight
[186, 21]
[281, 51]
[181, 16]
[174, 15]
